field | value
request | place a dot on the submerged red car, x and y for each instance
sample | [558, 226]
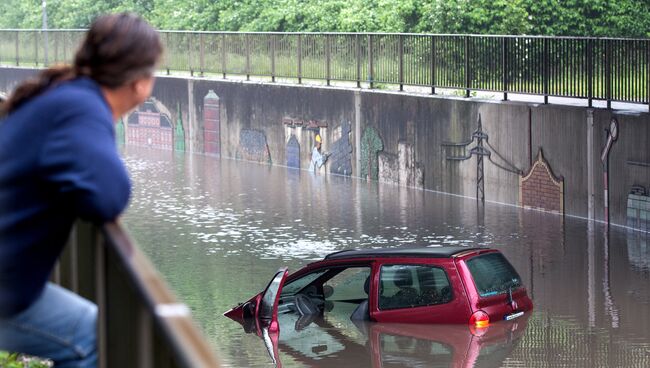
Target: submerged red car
[442, 285]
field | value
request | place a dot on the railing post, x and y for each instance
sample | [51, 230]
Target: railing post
[145, 338]
[201, 54]
[608, 73]
[504, 60]
[545, 76]
[168, 57]
[223, 55]
[55, 53]
[467, 76]
[36, 42]
[273, 58]
[299, 59]
[189, 54]
[100, 299]
[65, 37]
[358, 45]
[590, 71]
[17, 49]
[647, 72]
[401, 61]
[328, 56]
[248, 56]
[433, 65]
[370, 71]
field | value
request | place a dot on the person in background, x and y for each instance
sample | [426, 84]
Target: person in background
[59, 162]
[318, 159]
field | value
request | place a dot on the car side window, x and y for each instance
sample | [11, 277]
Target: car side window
[406, 286]
[349, 284]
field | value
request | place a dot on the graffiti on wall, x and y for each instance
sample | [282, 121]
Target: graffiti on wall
[540, 188]
[340, 161]
[179, 132]
[211, 124]
[253, 146]
[371, 145]
[401, 169]
[638, 208]
[150, 125]
[293, 152]
[119, 132]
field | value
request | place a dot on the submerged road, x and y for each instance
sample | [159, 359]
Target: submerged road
[218, 229]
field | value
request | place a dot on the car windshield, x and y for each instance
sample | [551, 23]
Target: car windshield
[493, 274]
[294, 286]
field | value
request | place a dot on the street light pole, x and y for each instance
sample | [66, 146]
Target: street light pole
[45, 41]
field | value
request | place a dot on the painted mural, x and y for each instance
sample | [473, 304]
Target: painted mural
[540, 188]
[150, 125]
[341, 150]
[119, 132]
[371, 145]
[638, 208]
[179, 132]
[300, 132]
[293, 152]
[253, 146]
[401, 169]
[211, 124]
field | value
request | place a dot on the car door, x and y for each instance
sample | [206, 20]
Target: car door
[418, 293]
[267, 309]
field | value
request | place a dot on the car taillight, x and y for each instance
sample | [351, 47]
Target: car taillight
[479, 319]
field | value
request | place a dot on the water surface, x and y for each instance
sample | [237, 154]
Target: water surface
[218, 229]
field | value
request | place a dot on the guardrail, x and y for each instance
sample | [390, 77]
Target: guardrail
[141, 324]
[610, 69]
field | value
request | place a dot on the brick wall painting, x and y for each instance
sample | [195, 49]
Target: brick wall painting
[253, 146]
[401, 169]
[371, 145]
[340, 161]
[211, 124]
[293, 152]
[540, 188]
[150, 125]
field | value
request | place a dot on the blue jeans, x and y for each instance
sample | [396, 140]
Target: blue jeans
[60, 326]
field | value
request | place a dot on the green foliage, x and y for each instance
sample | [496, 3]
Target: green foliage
[14, 360]
[607, 18]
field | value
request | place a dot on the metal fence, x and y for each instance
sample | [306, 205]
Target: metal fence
[141, 324]
[608, 69]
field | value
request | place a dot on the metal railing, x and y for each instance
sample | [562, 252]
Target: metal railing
[141, 324]
[609, 69]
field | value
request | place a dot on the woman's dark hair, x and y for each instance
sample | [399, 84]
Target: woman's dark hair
[118, 49]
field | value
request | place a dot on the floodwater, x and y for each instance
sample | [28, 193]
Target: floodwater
[218, 229]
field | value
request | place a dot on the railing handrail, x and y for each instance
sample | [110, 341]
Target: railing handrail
[475, 35]
[96, 263]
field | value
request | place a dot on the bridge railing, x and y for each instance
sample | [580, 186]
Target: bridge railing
[609, 69]
[141, 324]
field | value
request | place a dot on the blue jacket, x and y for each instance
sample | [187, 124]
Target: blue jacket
[58, 161]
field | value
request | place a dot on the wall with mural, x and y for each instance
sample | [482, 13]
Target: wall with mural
[437, 143]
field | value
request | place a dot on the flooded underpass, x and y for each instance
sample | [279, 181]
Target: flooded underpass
[218, 229]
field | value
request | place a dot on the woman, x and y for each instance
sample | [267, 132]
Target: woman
[58, 162]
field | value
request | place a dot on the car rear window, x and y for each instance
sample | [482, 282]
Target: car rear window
[493, 274]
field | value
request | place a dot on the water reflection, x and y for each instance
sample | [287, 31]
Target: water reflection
[219, 229]
[330, 341]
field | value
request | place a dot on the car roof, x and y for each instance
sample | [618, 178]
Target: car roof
[431, 252]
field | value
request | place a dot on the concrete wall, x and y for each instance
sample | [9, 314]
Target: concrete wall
[398, 137]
